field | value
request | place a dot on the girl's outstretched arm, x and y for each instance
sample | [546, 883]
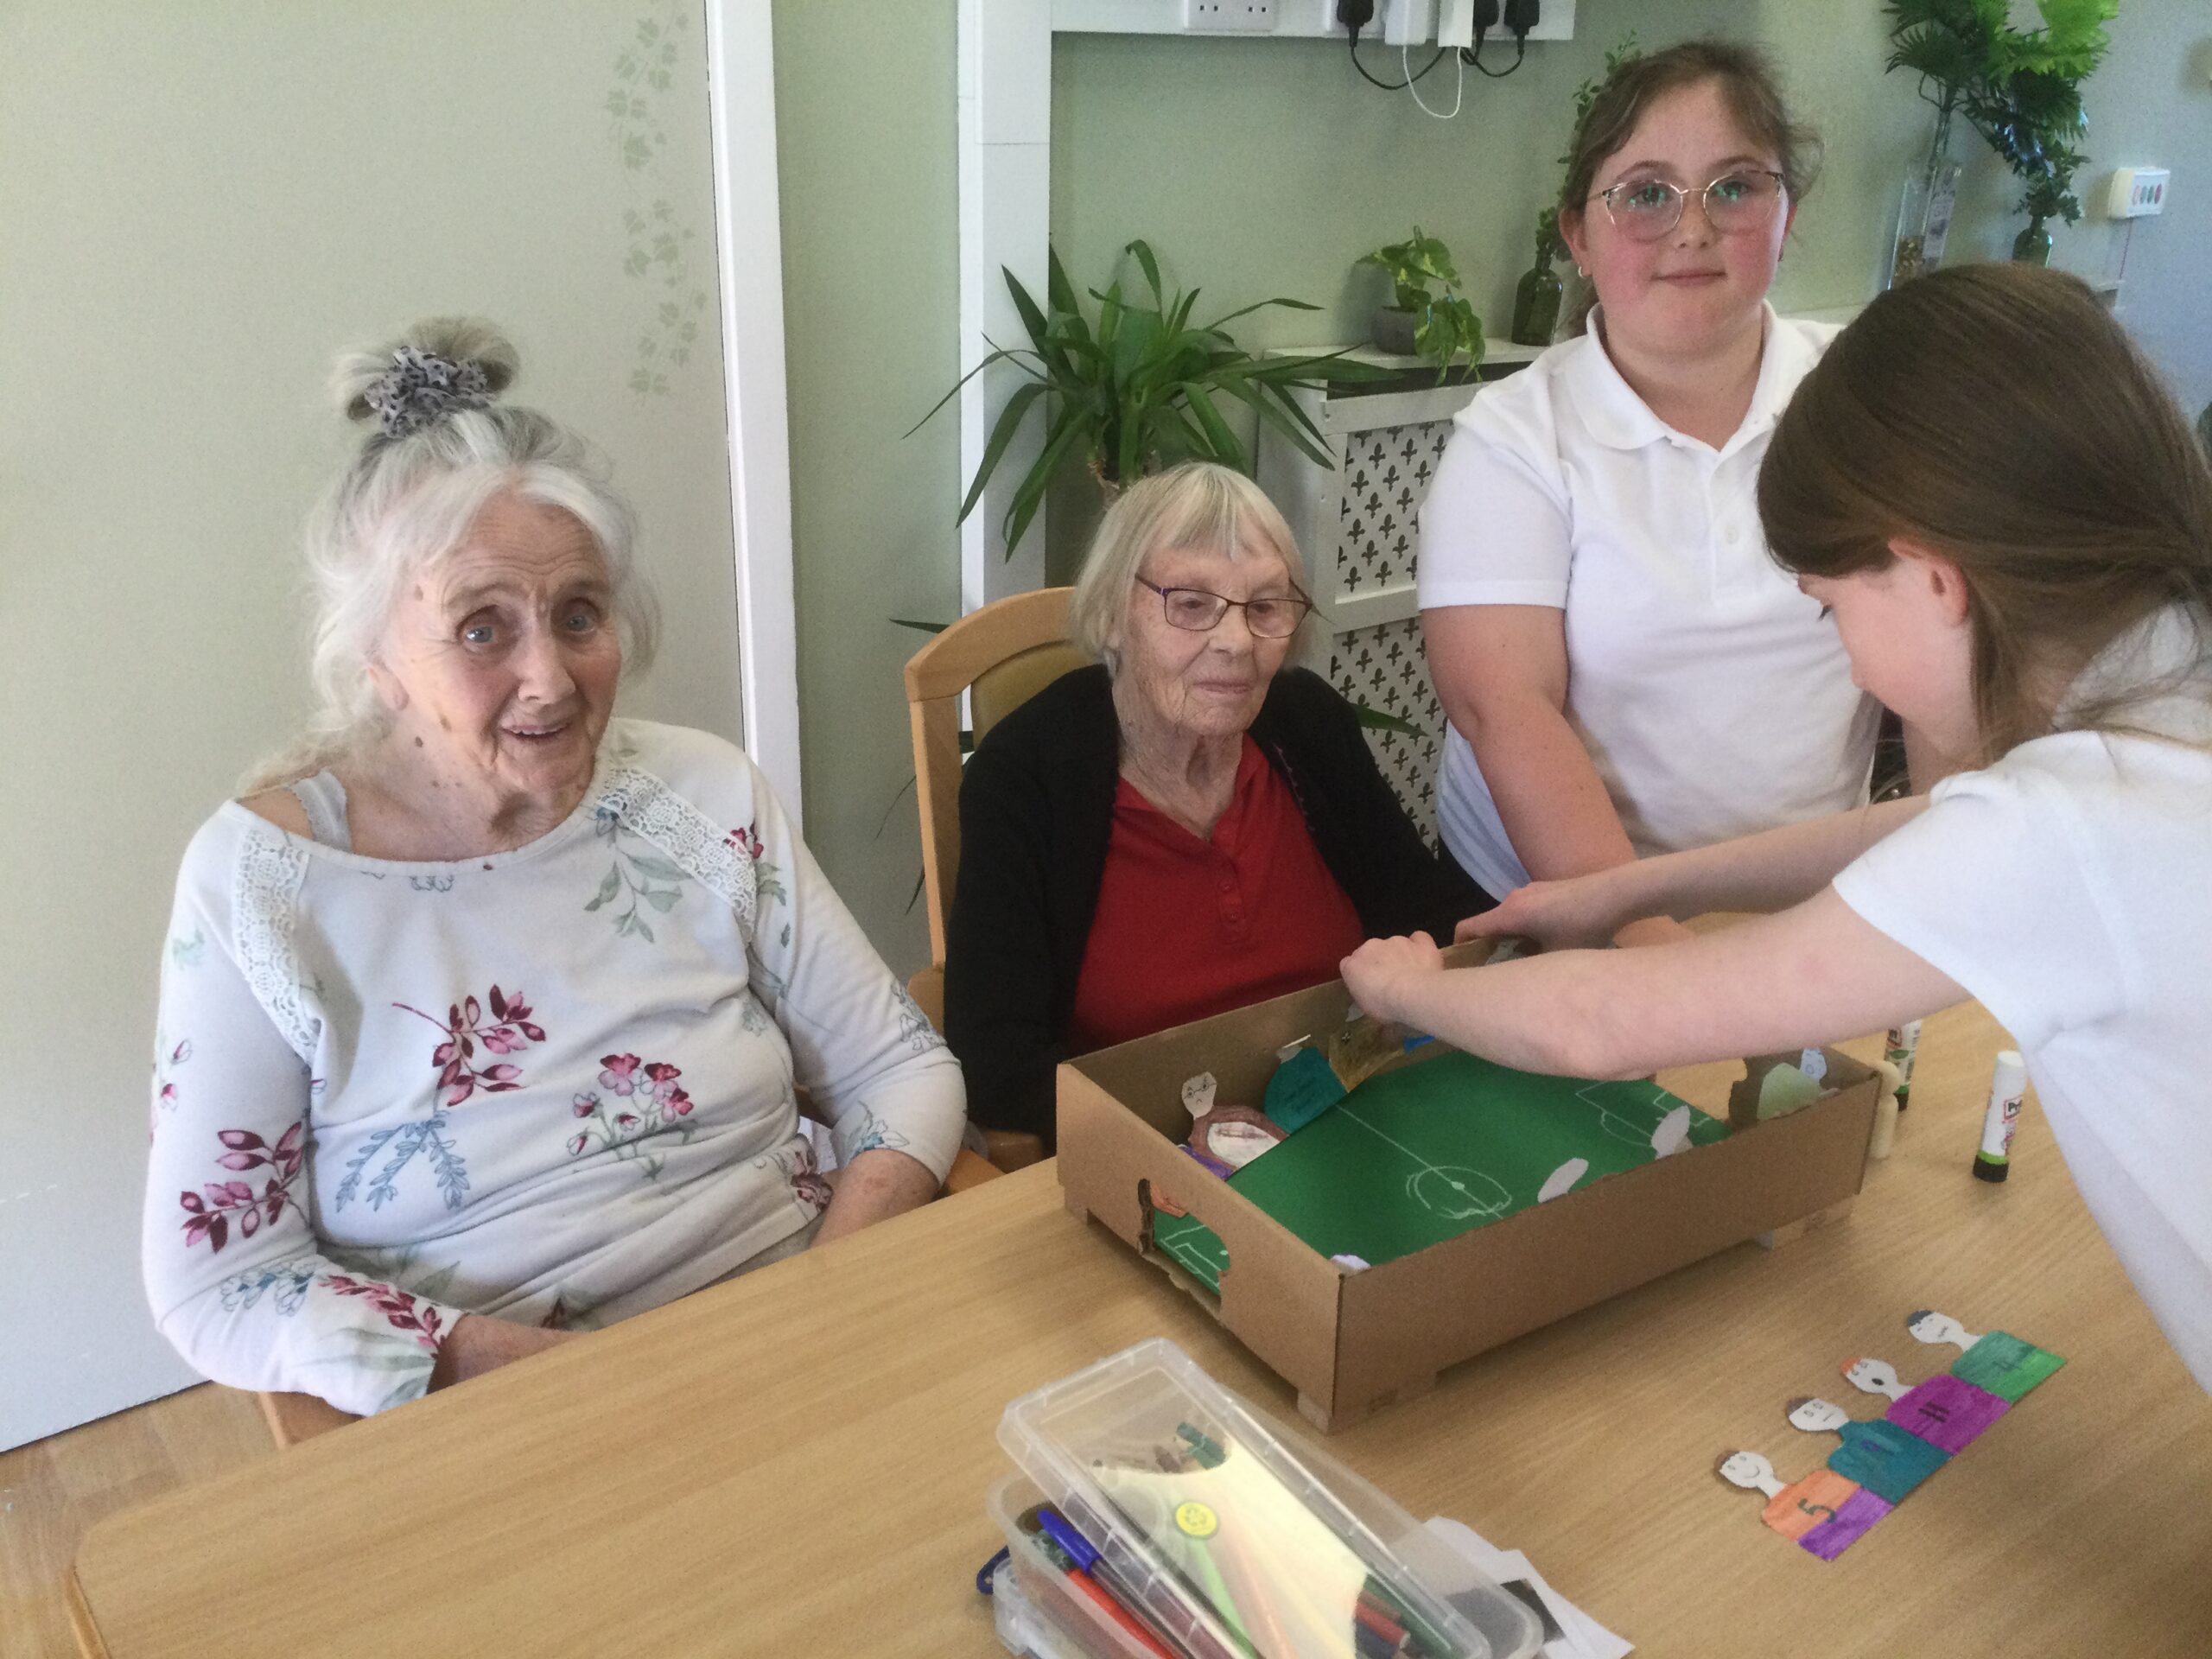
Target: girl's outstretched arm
[1771, 871]
[1814, 974]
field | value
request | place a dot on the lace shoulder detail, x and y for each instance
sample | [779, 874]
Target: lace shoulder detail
[709, 854]
[265, 899]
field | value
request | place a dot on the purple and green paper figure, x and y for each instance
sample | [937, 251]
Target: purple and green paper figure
[1944, 1411]
[1998, 1361]
[1825, 1513]
[1888, 1461]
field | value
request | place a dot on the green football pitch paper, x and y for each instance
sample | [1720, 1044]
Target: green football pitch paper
[1432, 1150]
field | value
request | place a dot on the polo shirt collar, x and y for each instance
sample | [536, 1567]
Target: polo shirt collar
[1619, 419]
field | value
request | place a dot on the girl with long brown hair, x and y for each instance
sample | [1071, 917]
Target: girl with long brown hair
[2010, 525]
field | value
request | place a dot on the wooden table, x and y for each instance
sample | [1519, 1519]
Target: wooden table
[794, 1463]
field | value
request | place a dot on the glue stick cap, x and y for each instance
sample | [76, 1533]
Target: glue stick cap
[2008, 1082]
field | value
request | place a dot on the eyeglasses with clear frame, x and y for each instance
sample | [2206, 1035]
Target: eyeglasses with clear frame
[1195, 611]
[1736, 204]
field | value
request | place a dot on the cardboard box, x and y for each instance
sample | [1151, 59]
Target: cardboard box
[1350, 1341]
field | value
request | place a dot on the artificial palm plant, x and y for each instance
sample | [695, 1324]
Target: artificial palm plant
[1140, 388]
[2020, 89]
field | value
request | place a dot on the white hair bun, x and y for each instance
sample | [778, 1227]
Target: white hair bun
[470, 341]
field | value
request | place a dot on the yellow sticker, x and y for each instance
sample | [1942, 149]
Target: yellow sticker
[1196, 1520]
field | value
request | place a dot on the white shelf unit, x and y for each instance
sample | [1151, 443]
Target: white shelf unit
[1356, 525]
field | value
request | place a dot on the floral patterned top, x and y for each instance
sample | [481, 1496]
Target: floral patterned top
[553, 1085]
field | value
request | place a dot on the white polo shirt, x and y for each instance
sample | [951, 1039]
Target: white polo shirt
[1713, 697]
[2069, 887]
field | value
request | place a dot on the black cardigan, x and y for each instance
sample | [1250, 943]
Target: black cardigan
[1036, 814]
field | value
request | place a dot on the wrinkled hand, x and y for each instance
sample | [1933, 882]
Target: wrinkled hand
[1380, 973]
[1581, 913]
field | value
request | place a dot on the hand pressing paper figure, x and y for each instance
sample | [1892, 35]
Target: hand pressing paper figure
[1825, 1513]
[1998, 1361]
[1944, 1411]
[1888, 1461]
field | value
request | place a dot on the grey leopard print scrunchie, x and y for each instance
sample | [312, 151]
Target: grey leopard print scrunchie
[420, 388]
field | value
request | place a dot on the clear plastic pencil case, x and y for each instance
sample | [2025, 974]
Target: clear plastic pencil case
[1222, 1538]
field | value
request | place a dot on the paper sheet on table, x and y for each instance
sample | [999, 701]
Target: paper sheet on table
[1581, 1636]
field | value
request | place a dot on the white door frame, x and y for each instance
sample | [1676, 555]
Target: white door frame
[749, 259]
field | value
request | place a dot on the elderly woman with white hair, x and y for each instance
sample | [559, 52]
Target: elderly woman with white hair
[481, 1013]
[1186, 828]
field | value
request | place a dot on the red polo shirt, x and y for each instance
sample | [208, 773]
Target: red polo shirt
[1185, 928]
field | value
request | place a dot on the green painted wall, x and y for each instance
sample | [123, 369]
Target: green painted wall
[1260, 169]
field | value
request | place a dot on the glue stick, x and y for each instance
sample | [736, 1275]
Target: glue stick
[2006, 1084]
[1904, 1043]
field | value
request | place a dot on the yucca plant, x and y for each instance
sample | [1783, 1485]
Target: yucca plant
[1140, 388]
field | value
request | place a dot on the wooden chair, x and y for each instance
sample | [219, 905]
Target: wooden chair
[1001, 656]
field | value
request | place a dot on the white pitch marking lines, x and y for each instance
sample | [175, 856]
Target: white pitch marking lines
[1449, 1190]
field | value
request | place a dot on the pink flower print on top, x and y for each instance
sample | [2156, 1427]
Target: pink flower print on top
[766, 881]
[807, 1183]
[646, 1101]
[465, 1027]
[674, 1102]
[209, 1212]
[401, 1310]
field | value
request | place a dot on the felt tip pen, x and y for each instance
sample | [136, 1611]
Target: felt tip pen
[1074, 1556]
[1092, 1574]
[1993, 1161]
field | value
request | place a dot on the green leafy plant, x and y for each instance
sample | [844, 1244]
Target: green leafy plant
[2020, 89]
[1139, 388]
[1424, 281]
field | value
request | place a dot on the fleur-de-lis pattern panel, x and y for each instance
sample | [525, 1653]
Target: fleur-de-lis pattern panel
[1385, 667]
[1386, 476]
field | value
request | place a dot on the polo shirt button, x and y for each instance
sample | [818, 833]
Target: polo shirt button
[1732, 536]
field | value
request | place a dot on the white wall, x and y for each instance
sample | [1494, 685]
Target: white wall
[200, 204]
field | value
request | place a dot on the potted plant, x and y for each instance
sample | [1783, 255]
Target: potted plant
[2020, 89]
[1428, 316]
[1139, 389]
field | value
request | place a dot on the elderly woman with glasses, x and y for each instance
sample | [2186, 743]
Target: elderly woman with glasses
[1186, 828]
[481, 1012]
[1625, 668]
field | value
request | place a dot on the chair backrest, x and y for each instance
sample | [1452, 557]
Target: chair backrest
[1004, 654]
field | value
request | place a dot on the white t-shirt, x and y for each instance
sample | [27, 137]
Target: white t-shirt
[2070, 888]
[1712, 696]
[553, 1085]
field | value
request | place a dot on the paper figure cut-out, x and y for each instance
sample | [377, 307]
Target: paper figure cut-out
[1944, 1411]
[1302, 1089]
[1198, 1094]
[1234, 1135]
[1888, 1461]
[1824, 1513]
[1998, 1362]
[1673, 1134]
[1561, 1180]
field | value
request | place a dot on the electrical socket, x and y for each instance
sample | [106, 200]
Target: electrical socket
[2136, 191]
[1230, 16]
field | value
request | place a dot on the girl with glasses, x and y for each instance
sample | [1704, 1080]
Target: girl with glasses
[1623, 670]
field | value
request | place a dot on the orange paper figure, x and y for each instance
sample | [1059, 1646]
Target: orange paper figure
[1824, 1513]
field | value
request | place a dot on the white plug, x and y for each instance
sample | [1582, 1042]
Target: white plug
[1455, 23]
[1409, 23]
